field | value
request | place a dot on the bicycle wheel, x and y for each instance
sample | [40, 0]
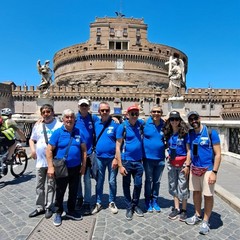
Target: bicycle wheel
[19, 163]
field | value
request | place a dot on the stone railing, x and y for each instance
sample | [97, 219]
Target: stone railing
[229, 132]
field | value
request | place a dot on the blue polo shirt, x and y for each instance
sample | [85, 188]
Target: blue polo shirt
[153, 141]
[60, 139]
[106, 145]
[132, 147]
[205, 156]
[85, 124]
[179, 144]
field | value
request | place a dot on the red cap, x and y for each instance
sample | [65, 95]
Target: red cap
[134, 107]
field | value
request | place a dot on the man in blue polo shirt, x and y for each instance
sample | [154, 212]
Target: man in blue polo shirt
[85, 122]
[206, 157]
[105, 151]
[129, 153]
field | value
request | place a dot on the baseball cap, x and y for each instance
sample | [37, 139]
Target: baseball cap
[192, 113]
[84, 100]
[174, 114]
[134, 107]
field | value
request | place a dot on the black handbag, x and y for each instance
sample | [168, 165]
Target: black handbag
[60, 166]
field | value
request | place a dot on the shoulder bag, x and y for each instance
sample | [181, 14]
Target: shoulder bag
[60, 167]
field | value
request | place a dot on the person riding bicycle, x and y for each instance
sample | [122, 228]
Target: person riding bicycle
[8, 129]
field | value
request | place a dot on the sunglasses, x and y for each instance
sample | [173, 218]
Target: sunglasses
[156, 111]
[134, 114]
[84, 105]
[46, 111]
[193, 119]
[174, 119]
[104, 110]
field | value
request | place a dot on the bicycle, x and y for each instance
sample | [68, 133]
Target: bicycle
[18, 162]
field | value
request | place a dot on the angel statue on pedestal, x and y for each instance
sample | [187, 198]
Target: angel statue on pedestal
[46, 73]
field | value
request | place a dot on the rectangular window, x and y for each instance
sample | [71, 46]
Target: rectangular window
[112, 32]
[118, 45]
[98, 40]
[111, 45]
[138, 41]
[203, 107]
[125, 33]
[125, 46]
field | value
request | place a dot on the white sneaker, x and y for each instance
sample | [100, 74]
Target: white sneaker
[113, 207]
[97, 208]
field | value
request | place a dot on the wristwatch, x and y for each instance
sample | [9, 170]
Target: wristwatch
[214, 171]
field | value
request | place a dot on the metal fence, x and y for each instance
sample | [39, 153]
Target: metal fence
[234, 140]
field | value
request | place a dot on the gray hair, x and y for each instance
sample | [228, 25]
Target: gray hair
[68, 112]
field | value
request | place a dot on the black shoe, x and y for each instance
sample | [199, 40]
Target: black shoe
[174, 214]
[36, 212]
[86, 209]
[129, 214]
[79, 203]
[138, 211]
[74, 216]
[48, 213]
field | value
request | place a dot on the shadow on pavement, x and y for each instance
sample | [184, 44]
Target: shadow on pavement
[24, 178]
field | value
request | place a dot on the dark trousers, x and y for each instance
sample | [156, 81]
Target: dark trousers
[61, 185]
[135, 170]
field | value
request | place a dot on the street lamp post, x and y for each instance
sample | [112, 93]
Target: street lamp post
[210, 100]
[149, 102]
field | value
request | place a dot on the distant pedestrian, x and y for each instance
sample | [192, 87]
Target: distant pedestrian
[105, 150]
[129, 153]
[75, 161]
[176, 134]
[206, 158]
[154, 158]
[40, 136]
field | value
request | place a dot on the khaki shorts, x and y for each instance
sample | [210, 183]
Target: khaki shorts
[201, 184]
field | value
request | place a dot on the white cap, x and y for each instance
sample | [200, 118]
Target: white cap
[84, 100]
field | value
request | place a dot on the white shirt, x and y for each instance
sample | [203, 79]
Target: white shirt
[38, 136]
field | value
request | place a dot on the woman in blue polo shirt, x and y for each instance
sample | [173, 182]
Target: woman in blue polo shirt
[176, 134]
[75, 161]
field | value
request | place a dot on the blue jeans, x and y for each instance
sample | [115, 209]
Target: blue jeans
[134, 169]
[153, 174]
[87, 186]
[104, 163]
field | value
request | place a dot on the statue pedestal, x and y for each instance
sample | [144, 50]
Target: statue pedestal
[178, 104]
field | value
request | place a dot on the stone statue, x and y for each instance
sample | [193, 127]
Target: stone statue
[46, 73]
[176, 76]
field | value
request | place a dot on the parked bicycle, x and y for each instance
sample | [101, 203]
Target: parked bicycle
[18, 162]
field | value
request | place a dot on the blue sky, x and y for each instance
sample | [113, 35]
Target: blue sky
[208, 31]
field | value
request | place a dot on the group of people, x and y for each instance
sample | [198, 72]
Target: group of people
[132, 147]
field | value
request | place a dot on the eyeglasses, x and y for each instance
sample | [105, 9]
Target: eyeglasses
[104, 110]
[84, 105]
[156, 111]
[46, 111]
[174, 119]
[193, 119]
[134, 114]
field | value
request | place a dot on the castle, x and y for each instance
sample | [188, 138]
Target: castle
[118, 65]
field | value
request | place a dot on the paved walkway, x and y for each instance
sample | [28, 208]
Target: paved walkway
[17, 200]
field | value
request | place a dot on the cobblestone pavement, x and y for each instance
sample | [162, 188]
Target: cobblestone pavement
[17, 200]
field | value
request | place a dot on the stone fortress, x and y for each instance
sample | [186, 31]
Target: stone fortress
[118, 65]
